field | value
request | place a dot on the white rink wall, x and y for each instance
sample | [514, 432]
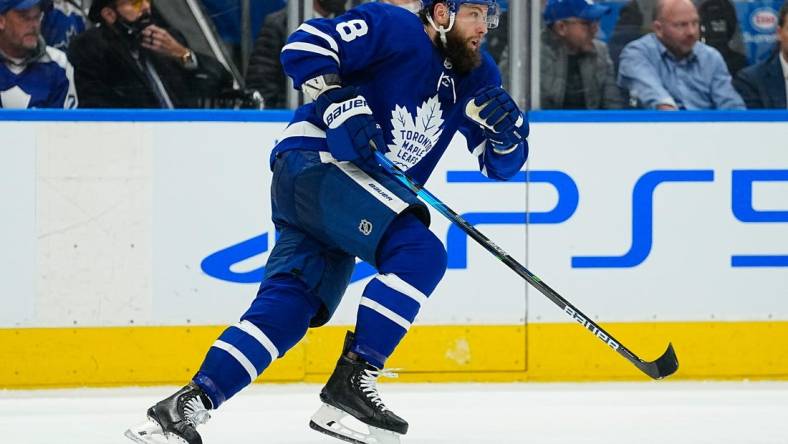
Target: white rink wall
[108, 222]
[121, 227]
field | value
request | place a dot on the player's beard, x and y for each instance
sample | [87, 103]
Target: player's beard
[459, 51]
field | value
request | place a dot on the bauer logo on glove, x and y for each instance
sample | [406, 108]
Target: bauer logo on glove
[337, 113]
[351, 128]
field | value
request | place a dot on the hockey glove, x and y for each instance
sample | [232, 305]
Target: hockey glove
[503, 122]
[350, 126]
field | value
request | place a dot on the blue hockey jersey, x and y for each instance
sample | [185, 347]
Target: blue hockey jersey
[415, 95]
[62, 23]
[44, 80]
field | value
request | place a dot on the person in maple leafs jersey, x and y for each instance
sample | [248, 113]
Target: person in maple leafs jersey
[32, 74]
[380, 77]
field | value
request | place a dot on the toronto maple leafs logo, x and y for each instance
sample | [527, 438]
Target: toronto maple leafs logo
[15, 98]
[413, 138]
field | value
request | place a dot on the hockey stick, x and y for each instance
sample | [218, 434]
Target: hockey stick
[664, 366]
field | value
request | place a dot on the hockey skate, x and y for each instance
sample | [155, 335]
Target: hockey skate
[174, 420]
[351, 404]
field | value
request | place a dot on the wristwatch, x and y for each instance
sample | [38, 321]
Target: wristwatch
[188, 60]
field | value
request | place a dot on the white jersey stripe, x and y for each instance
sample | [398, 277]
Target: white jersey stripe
[240, 357]
[308, 47]
[393, 317]
[506, 151]
[252, 330]
[316, 32]
[60, 58]
[302, 129]
[372, 186]
[395, 283]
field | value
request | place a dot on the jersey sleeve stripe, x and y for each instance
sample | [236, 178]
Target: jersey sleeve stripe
[308, 47]
[302, 129]
[306, 27]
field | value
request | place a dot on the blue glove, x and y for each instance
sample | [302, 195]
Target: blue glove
[350, 126]
[503, 122]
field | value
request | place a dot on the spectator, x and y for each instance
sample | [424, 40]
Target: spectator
[127, 61]
[670, 69]
[719, 28]
[576, 70]
[64, 21]
[265, 73]
[634, 21]
[32, 75]
[764, 85]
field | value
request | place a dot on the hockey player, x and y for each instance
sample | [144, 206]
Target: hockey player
[380, 77]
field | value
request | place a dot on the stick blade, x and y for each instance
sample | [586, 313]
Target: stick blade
[662, 367]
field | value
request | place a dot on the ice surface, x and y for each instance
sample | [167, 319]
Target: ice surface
[611, 413]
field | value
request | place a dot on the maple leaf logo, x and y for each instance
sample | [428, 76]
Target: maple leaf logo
[15, 98]
[413, 138]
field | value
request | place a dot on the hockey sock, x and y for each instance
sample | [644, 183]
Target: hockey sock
[277, 319]
[411, 262]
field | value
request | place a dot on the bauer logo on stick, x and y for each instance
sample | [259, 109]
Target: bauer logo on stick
[591, 327]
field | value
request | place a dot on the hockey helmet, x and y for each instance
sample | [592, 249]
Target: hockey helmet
[493, 11]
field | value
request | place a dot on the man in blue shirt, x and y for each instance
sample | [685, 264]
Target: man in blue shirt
[32, 75]
[670, 69]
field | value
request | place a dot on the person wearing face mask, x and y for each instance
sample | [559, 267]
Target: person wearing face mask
[129, 61]
[265, 73]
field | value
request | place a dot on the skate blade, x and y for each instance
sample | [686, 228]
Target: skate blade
[150, 432]
[333, 422]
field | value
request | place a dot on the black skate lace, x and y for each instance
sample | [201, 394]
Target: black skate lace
[195, 412]
[368, 383]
